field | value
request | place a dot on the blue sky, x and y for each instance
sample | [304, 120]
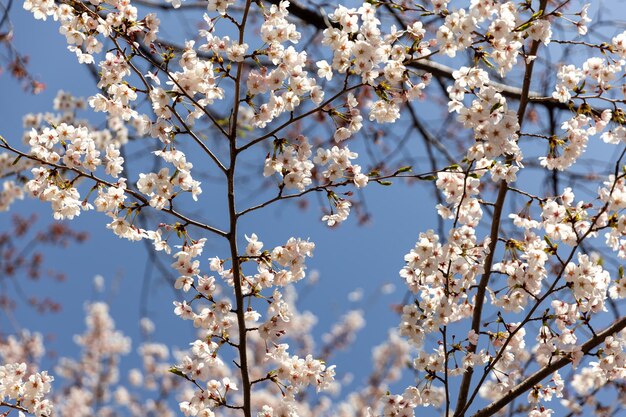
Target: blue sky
[348, 257]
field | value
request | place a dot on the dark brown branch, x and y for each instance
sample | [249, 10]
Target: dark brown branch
[436, 69]
[238, 275]
[462, 402]
[308, 16]
[538, 376]
[15, 407]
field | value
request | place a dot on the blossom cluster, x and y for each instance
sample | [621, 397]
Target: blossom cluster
[11, 191]
[27, 393]
[495, 126]
[293, 163]
[454, 278]
[217, 321]
[610, 366]
[595, 73]
[502, 22]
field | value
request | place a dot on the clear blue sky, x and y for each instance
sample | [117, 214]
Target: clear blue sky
[347, 257]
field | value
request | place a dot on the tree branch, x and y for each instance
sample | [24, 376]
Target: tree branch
[133, 193]
[462, 403]
[538, 376]
[436, 69]
[238, 275]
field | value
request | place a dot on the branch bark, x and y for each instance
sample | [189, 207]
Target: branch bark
[462, 404]
[232, 234]
[140, 197]
[436, 69]
[538, 376]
